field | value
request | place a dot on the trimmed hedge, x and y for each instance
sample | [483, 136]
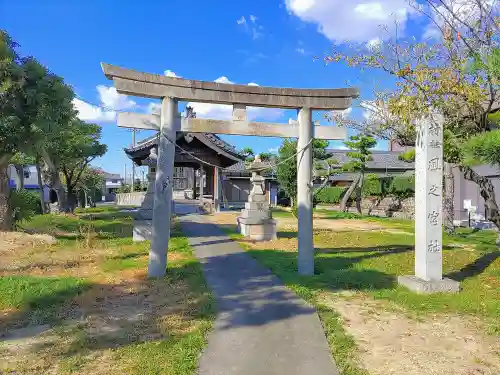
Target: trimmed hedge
[402, 186]
[398, 186]
[331, 195]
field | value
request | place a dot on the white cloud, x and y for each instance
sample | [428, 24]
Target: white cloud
[225, 112]
[154, 107]
[353, 20]
[172, 74]
[302, 51]
[256, 34]
[224, 79]
[273, 150]
[374, 44]
[88, 112]
[255, 30]
[345, 113]
[110, 100]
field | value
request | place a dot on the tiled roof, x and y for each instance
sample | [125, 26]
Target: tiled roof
[381, 160]
[111, 176]
[214, 139]
[240, 167]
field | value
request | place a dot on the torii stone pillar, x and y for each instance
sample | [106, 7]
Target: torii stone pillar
[304, 194]
[428, 210]
[162, 211]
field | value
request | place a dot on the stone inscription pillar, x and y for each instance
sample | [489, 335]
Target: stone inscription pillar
[304, 195]
[428, 210]
[163, 190]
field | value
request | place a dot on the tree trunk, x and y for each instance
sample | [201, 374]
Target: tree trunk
[40, 186]
[62, 197]
[359, 192]
[347, 195]
[20, 176]
[5, 209]
[449, 197]
[72, 201]
[55, 182]
[86, 199]
[487, 191]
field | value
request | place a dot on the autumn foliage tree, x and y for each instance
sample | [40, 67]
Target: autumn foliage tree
[455, 73]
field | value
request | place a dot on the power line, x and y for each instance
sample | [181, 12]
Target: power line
[273, 166]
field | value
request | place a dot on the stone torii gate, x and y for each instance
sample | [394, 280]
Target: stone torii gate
[170, 90]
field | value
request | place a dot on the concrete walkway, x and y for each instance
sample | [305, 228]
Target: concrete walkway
[262, 328]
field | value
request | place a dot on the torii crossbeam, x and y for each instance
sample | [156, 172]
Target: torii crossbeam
[171, 90]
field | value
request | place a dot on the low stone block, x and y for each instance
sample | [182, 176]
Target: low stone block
[255, 214]
[257, 198]
[257, 230]
[261, 206]
[421, 286]
[142, 230]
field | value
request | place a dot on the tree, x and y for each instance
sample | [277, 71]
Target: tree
[34, 103]
[267, 156]
[70, 153]
[248, 153]
[361, 154]
[90, 183]
[286, 171]
[11, 133]
[455, 74]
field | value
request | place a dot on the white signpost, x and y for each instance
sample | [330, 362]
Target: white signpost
[171, 90]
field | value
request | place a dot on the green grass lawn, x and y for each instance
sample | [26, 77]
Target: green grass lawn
[367, 263]
[90, 288]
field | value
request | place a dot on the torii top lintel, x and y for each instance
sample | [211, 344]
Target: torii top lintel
[131, 82]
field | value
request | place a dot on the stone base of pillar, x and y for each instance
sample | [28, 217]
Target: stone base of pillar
[142, 230]
[257, 229]
[421, 286]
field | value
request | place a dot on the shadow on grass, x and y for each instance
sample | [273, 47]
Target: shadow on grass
[127, 313]
[475, 268]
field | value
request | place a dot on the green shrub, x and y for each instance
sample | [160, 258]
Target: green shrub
[372, 186]
[25, 204]
[331, 195]
[402, 186]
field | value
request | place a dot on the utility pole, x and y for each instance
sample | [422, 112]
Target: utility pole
[125, 175]
[133, 164]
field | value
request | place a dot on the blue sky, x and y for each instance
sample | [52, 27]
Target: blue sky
[267, 42]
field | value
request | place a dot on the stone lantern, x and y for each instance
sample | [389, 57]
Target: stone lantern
[256, 220]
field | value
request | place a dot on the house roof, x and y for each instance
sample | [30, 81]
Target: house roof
[241, 167]
[384, 160]
[110, 176]
[211, 140]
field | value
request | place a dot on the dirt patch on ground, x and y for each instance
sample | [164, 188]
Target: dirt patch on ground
[10, 241]
[337, 225]
[393, 344]
[289, 224]
[104, 317]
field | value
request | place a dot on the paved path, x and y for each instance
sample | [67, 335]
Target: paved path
[262, 328]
